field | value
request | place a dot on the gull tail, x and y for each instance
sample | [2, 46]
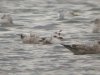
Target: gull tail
[67, 46]
[72, 48]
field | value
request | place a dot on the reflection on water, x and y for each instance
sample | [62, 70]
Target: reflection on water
[42, 16]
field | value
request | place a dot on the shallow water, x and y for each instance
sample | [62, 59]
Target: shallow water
[41, 16]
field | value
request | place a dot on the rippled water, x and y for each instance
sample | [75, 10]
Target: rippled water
[42, 16]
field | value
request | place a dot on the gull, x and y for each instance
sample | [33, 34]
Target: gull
[96, 27]
[61, 15]
[34, 38]
[6, 20]
[31, 38]
[57, 37]
[81, 49]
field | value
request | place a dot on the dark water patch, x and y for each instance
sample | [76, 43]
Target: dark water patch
[3, 29]
[8, 36]
[88, 4]
[49, 6]
[24, 57]
[39, 69]
[20, 27]
[58, 47]
[46, 27]
[7, 63]
[25, 10]
[95, 9]
[77, 20]
[90, 74]
[72, 21]
[14, 0]
[19, 50]
[12, 25]
[54, 68]
[6, 25]
[4, 59]
[61, 51]
[25, 19]
[93, 36]
[95, 56]
[39, 12]
[24, 53]
[90, 38]
[81, 19]
[17, 25]
[51, 56]
[11, 70]
[71, 61]
[88, 68]
[61, 19]
[50, 67]
[4, 42]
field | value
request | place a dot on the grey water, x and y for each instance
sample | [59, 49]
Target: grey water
[42, 16]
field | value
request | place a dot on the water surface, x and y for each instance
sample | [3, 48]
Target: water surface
[41, 16]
